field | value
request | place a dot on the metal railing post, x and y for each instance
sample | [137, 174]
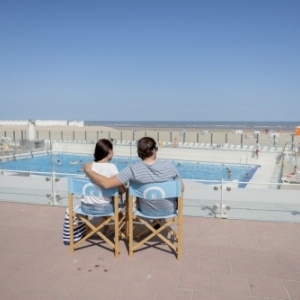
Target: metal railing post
[221, 207]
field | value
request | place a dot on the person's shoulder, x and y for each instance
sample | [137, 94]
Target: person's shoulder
[111, 164]
[164, 163]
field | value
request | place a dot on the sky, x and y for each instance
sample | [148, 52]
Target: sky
[165, 60]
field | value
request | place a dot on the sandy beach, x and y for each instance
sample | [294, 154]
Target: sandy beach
[207, 136]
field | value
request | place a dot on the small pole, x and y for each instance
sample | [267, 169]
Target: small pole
[221, 208]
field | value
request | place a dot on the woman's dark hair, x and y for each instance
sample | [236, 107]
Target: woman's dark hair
[145, 147]
[102, 149]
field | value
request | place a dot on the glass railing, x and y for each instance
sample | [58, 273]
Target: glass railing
[258, 201]
[205, 198]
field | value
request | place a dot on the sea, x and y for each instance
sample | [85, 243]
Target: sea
[201, 125]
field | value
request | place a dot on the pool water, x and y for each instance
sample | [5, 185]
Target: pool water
[73, 163]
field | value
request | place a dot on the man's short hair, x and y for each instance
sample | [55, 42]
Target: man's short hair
[145, 147]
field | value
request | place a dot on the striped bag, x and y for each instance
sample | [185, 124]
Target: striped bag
[78, 225]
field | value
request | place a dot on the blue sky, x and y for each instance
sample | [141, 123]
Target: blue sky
[150, 60]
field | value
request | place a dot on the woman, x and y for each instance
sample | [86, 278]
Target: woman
[257, 149]
[91, 204]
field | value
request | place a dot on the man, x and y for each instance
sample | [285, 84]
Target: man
[147, 171]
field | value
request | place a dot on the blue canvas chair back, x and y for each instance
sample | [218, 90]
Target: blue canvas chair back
[84, 186]
[156, 190]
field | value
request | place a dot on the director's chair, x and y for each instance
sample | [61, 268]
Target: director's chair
[83, 186]
[167, 189]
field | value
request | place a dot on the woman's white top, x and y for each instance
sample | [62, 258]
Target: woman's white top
[107, 170]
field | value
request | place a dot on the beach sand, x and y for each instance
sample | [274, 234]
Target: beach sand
[93, 133]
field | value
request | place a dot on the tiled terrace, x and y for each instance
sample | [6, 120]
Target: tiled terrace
[223, 260]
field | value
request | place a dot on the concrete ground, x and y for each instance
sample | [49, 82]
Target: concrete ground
[222, 259]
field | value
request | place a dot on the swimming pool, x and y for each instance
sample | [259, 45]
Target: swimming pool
[73, 163]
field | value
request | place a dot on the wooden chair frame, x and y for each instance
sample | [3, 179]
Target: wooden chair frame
[77, 186]
[134, 218]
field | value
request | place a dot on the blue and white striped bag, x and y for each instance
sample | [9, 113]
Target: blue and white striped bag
[79, 228]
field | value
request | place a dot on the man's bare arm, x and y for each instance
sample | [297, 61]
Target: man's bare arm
[101, 180]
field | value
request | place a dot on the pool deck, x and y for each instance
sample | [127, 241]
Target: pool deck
[222, 260]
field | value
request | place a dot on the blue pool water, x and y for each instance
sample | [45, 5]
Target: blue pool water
[73, 163]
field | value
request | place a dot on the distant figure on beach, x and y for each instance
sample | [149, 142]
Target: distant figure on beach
[175, 143]
[257, 149]
[295, 171]
[266, 131]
